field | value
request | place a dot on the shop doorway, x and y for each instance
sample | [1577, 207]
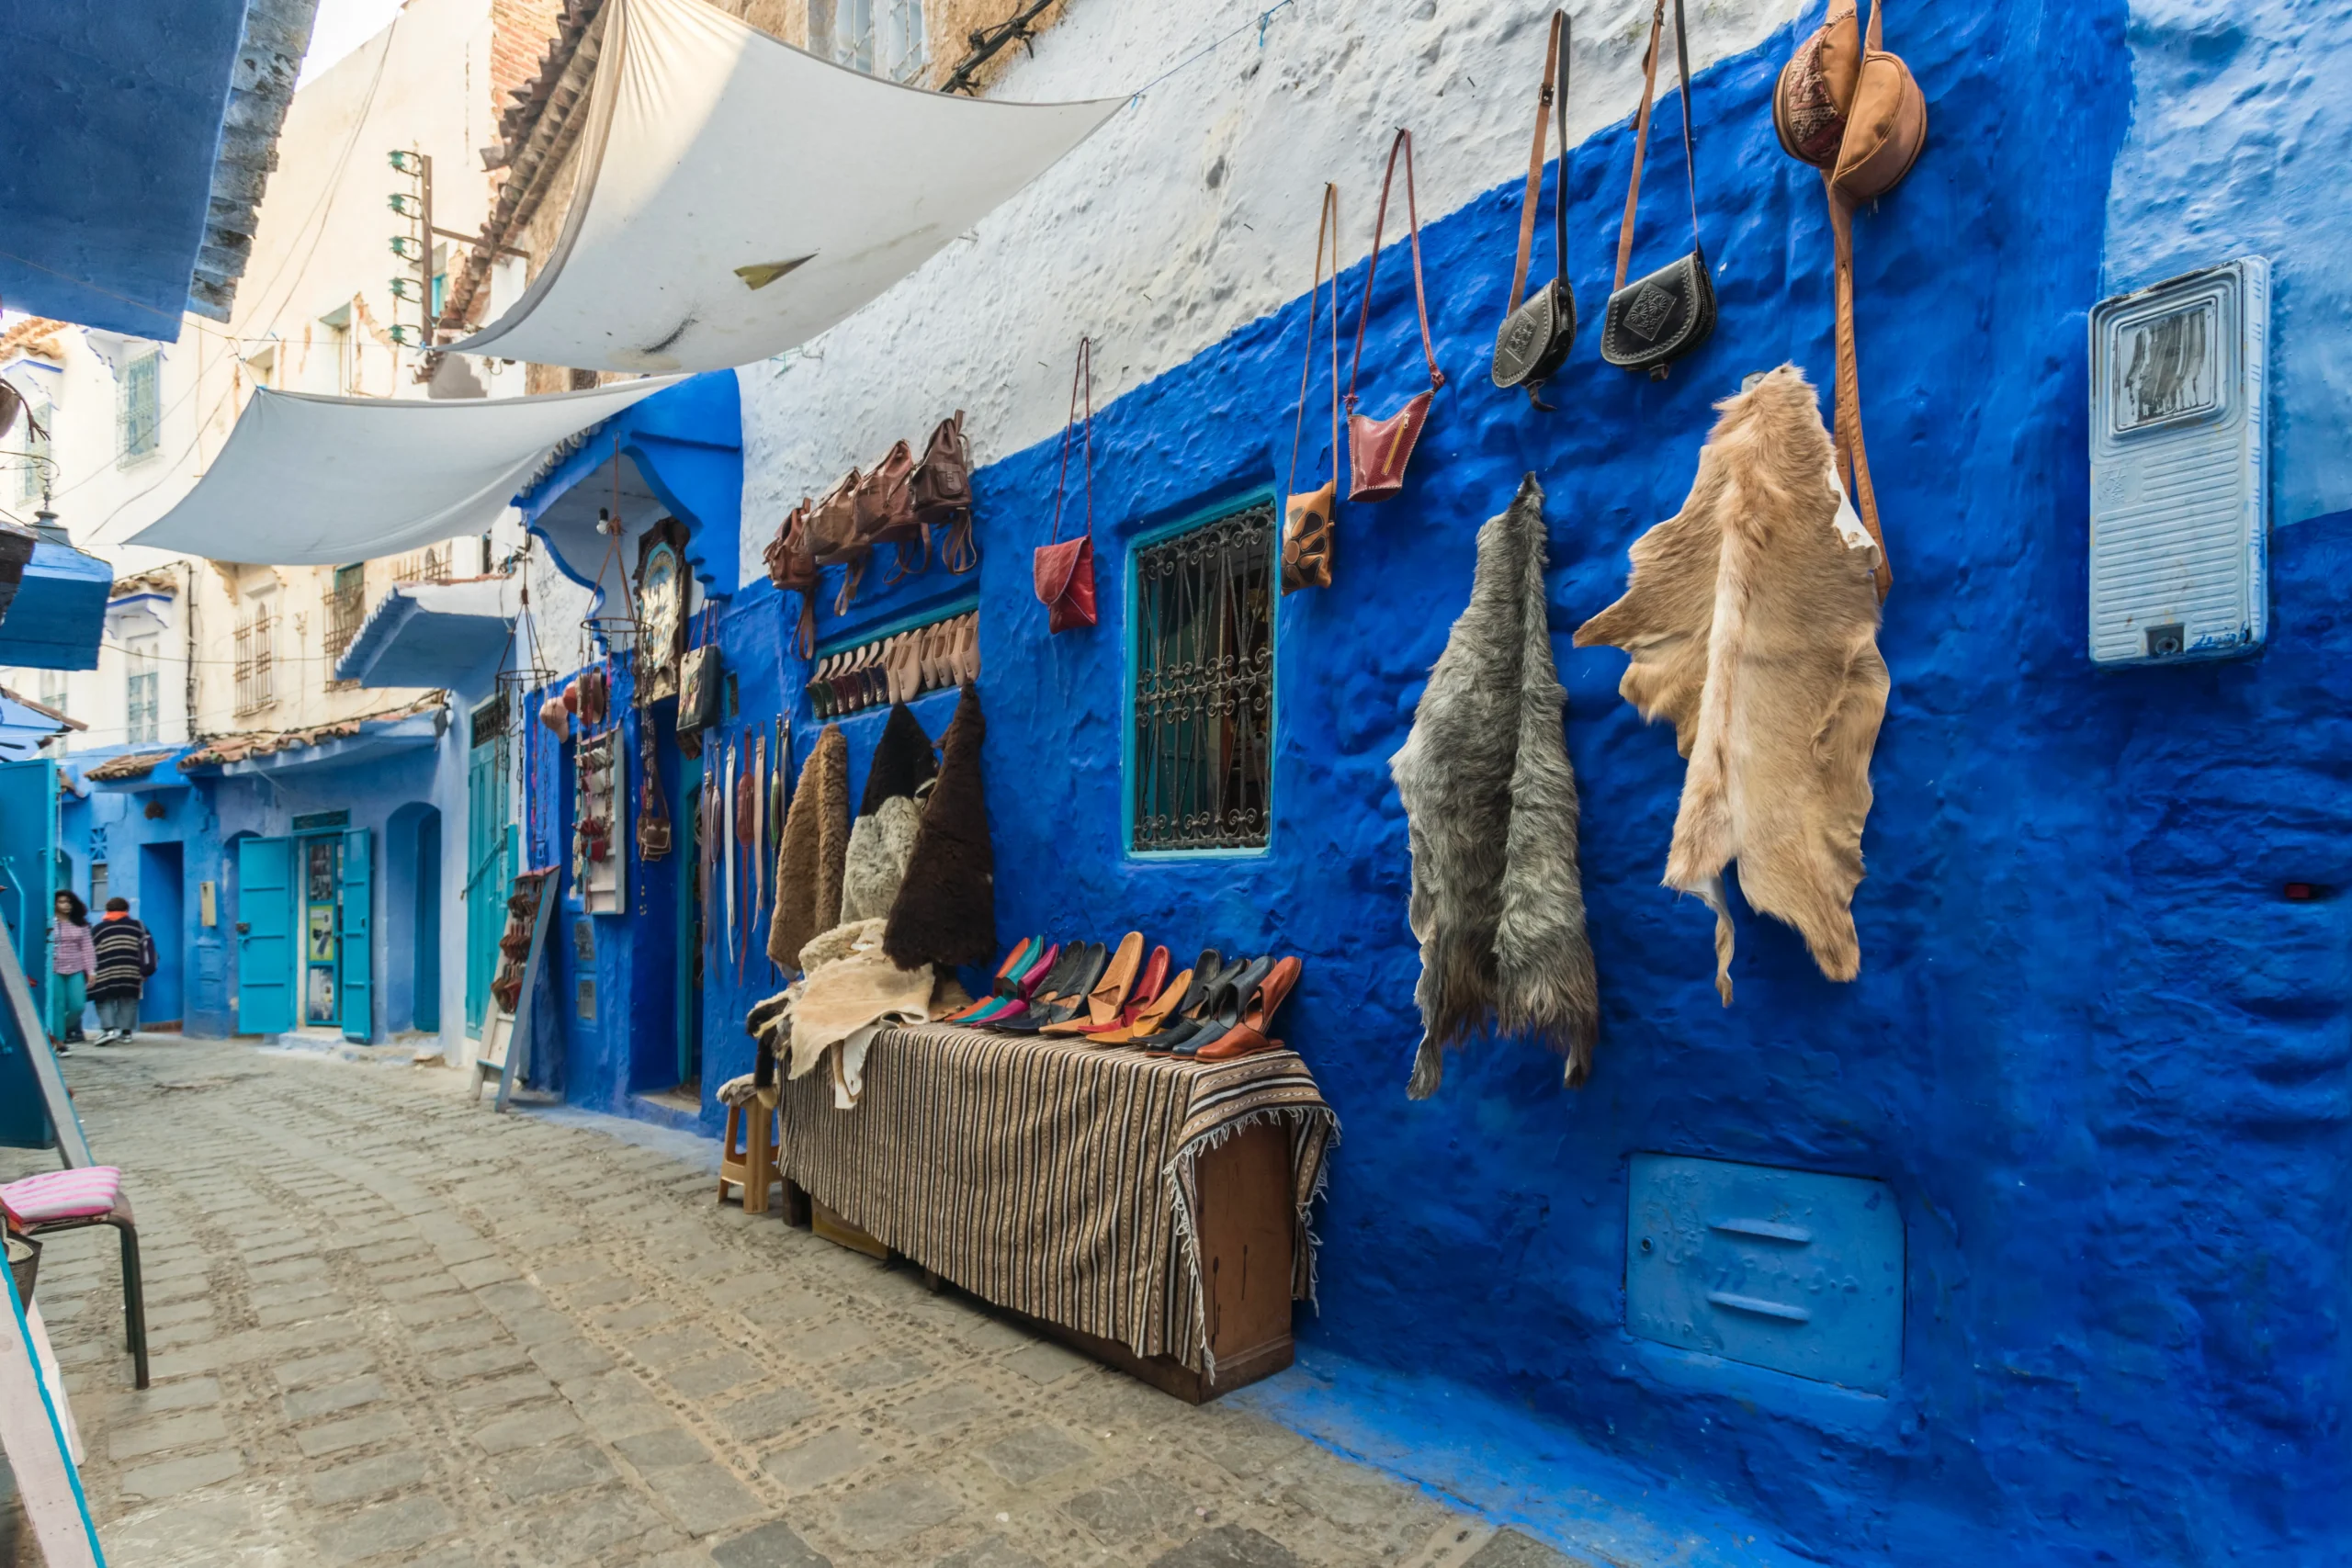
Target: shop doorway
[28, 888]
[489, 855]
[305, 940]
[412, 977]
[160, 908]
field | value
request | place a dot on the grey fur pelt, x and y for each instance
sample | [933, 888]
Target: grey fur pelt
[880, 843]
[1490, 804]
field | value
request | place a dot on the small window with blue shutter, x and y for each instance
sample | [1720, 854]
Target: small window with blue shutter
[142, 406]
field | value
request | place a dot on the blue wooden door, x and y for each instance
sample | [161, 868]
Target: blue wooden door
[265, 943]
[28, 890]
[490, 874]
[356, 951]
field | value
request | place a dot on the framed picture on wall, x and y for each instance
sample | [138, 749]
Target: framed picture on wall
[322, 942]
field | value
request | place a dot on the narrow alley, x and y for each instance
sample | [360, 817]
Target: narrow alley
[389, 1326]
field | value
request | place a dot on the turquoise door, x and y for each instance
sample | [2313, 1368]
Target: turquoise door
[490, 873]
[265, 945]
[27, 889]
[356, 949]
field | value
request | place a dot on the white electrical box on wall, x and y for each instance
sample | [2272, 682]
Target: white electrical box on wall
[2180, 477]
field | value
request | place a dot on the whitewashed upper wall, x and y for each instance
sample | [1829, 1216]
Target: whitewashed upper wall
[1191, 213]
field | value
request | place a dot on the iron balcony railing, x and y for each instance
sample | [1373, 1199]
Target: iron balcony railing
[1204, 686]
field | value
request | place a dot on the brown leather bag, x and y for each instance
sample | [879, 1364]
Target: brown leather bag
[943, 490]
[832, 537]
[1539, 329]
[1063, 569]
[792, 566]
[1378, 450]
[1854, 111]
[1309, 521]
[885, 511]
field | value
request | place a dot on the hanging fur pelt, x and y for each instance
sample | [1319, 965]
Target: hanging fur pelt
[810, 861]
[945, 912]
[1491, 807]
[1752, 616]
[880, 844]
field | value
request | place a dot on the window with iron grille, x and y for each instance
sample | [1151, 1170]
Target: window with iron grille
[345, 600]
[428, 564]
[142, 683]
[257, 679]
[1203, 755]
[142, 407]
[881, 37]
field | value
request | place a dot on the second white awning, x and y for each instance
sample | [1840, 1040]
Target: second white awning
[311, 480]
[737, 195]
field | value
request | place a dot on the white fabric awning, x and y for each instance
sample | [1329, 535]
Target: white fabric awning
[736, 197]
[310, 480]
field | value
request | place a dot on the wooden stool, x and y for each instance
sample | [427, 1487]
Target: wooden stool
[753, 1167]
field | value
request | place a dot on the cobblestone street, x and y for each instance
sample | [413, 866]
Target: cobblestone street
[391, 1327]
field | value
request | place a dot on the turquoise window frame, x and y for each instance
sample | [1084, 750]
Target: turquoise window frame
[1261, 495]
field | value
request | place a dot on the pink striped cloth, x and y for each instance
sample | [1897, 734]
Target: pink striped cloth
[62, 1194]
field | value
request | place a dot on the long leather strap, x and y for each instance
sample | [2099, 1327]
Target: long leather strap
[1853, 462]
[1642, 137]
[1329, 224]
[1080, 374]
[1555, 97]
[1403, 142]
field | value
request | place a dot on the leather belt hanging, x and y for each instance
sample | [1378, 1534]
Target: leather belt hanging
[1853, 110]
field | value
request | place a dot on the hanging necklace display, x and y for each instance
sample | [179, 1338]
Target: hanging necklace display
[1656, 320]
[1063, 569]
[1378, 450]
[1536, 335]
[1309, 524]
[599, 851]
[1853, 111]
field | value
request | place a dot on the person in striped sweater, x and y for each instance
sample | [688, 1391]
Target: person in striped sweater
[126, 956]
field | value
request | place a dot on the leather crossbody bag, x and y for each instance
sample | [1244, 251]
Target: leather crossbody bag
[1378, 450]
[1308, 521]
[1854, 111]
[1538, 331]
[698, 677]
[1656, 320]
[885, 512]
[1063, 569]
[832, 537]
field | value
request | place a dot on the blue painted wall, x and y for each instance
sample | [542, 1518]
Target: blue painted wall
[2096, 1053]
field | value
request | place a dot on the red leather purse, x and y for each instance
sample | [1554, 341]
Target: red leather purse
[1378, 450]
[1063, 570]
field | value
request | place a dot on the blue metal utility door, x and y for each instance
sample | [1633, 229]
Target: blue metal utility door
[265, 945]
[27, 889]
[490, 874]
[355, 951]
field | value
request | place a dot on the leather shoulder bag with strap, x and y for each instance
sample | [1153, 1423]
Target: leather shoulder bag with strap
[1538, 332]
[1854, 111]
[1378, 450]
[885, 512]
[832, 537]
[1307, 527]
[1063, 569]
[942, 494]
[1656, 320]
[792, 566]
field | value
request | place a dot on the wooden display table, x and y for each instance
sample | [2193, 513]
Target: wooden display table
[1148, 1210]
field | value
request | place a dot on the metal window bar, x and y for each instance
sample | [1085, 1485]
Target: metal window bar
[145, 707]
[1204, 686]
[257, 681]
[428, 564]
[346, 600]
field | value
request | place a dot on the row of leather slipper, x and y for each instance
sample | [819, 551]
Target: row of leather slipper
[1217, 1010]
[897, 668]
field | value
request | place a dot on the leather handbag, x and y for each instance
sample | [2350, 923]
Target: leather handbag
[792, 566]
[1308, 517]
[1064, 569]
[1657, 320]
[1378, 450]
[1538, 332]
[832, 537]
[942, 494]
[698, 680]
[885, 512]
[1851, 109]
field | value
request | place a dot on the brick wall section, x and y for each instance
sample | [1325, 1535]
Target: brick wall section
[519, 31]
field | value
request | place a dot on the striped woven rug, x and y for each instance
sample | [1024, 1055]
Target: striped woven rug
[1054, 1179]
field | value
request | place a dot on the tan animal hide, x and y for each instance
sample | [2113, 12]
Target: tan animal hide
[1752, 617]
